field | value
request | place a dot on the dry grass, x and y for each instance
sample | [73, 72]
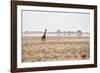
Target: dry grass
[54, 49]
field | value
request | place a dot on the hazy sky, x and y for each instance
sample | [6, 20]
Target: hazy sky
[52, 21]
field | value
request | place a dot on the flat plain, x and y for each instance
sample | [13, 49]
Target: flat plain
[55, 48]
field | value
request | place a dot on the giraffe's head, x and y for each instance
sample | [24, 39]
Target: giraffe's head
[45, 29]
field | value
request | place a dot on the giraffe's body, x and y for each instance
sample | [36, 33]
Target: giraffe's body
[44, 36]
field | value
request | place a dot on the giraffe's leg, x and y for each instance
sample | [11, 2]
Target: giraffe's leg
[45, 40]
[42, 38]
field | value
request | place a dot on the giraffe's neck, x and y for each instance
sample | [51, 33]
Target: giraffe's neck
[44, 33]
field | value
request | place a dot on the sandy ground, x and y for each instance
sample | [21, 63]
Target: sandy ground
[55, 48]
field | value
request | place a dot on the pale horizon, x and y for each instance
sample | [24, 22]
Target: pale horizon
[53, 21]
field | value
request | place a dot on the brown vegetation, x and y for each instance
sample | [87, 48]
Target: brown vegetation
[55, 48]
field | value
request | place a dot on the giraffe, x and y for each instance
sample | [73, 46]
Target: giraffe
[44, 36]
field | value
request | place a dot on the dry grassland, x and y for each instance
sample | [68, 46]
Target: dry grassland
[54, 49]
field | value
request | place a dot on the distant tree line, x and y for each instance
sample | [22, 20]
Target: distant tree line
[78, 32]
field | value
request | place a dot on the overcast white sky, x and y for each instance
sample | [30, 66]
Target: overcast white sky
[52, 21]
